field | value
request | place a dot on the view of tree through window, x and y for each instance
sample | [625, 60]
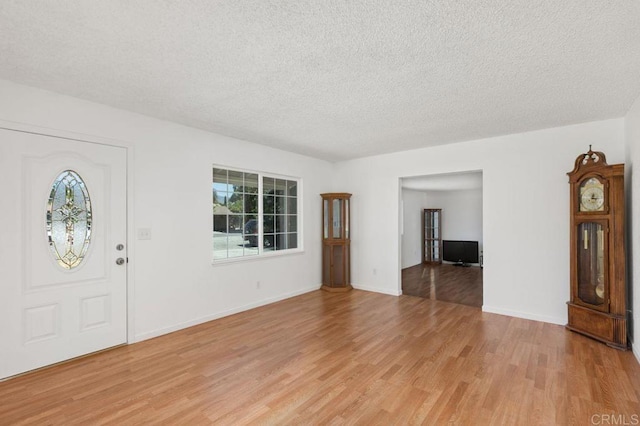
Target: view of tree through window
[280, 221]
[242, 201]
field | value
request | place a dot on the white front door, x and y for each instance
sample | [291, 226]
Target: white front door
[62, 230]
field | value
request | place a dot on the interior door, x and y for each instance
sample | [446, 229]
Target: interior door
[62, 249]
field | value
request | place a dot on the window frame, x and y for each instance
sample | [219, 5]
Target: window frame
[262, 253]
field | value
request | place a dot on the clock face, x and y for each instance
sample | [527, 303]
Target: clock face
[591, 195]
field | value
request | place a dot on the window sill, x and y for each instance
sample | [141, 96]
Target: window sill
[264, 255]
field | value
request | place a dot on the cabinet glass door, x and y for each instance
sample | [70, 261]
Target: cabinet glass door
[432, 220]
[337, 218]
[346, 218]
[336, 274]
[325, 220]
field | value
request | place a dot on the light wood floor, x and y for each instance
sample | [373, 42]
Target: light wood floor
[333, 358]
[446, 282]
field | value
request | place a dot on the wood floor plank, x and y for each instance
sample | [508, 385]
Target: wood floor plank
[446, 282]
[339, 358]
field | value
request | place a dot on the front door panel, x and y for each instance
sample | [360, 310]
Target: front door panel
[53, 310]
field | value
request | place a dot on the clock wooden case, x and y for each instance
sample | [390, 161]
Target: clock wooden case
[598, 286]
[336, 242]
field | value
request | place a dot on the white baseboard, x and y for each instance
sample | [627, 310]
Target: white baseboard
[376, 290]
[635, 351]
[524, 315]
[166, 330]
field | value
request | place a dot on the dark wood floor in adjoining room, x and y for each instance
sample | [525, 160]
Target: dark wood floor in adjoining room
[446, 282]
[354, 358]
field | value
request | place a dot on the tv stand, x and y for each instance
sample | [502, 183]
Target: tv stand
[464, 265]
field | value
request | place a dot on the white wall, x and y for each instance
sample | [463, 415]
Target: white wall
[173, 281]
[413, 203]
[525, 211]
[632, 183]
[461, 213]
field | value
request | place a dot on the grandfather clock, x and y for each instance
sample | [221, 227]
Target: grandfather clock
[598, 288]
[336, 270]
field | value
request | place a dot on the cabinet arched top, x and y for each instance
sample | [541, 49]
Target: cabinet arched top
[336, 195]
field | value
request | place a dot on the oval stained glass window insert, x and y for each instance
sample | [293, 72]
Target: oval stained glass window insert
[69, 219]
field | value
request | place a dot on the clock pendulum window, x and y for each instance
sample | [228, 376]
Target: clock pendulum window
[598, 285]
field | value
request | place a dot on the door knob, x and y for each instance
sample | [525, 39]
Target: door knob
[119, 261]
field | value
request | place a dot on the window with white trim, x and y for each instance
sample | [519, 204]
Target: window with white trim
[253, 213]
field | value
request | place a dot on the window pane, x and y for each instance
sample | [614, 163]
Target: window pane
[293, 240]
[219, 247]
[268, 224]
[281, 223]
[235, 240]
[214, 193]
[292, 205]
[269, 204]
[235, 250]
[250, 224]
[251, 251]
[281, 241]
[236, 181]
[250, 240]
[269, 242]
[251, 183]
[292, 188]
[250, 203]
[220, 180]
[221, 198]
[268, 186]
[281, 187]
[251, 231]
[220, 223]
[292, 223]
[235, 223]
[236, 203]
[281, 205]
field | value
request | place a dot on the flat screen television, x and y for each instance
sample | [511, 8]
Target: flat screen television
[460, 252]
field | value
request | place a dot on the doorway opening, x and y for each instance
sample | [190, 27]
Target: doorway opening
[441, 237]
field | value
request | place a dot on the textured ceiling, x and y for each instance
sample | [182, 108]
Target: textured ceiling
[335, 79]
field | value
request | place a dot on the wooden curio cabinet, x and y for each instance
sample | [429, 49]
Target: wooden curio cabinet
[598, 286]
[432, 236]
[336, 242]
